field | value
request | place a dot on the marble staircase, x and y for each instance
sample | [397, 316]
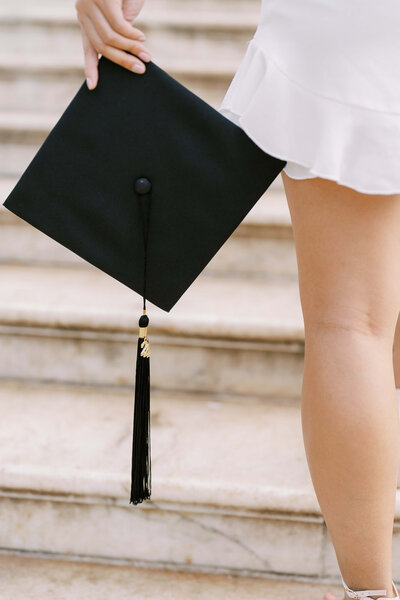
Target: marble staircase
[199, 43]
[231, 491]
[225, 335]
[233, 513]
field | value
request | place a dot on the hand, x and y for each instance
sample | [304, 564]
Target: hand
[106, 29]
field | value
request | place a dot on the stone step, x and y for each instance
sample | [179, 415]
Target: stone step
[41, 57]
[231, 489]
[69, 580]
[262, 245]
[63, 11]
[171, 28]
[224, 335]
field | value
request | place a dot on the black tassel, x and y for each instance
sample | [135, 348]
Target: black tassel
[141, 459]
[141, 446]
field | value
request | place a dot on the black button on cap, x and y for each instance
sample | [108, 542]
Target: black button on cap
[142, 185]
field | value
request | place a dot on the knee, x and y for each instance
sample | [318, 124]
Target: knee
[367, 321]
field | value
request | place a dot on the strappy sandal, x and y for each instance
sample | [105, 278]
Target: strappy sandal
[366, 594]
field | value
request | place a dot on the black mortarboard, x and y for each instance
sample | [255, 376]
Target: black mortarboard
[146, 181]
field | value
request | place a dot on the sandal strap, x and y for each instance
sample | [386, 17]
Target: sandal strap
[367, 593]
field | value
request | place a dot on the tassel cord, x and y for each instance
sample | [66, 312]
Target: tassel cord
[141, 448]
[146, 200]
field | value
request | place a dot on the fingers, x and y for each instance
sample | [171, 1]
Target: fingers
[114, 39]
[91, 61]
[115, 17]
[115, 54]
[106, 31]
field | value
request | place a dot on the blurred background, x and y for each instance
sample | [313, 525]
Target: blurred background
[233, 512]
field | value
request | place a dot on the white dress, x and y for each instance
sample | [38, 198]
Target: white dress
[319, 87]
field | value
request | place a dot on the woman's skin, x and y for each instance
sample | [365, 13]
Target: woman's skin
[396, 368]
[348, 257]
[396, 356]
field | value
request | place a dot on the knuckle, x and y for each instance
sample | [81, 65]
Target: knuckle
[101, 47]
[109, 38]
[135, 47]
[123, 63]
[78, 9]
[87, 51]
[113, 21]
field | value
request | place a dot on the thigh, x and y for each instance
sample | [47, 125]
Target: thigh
[348, 255]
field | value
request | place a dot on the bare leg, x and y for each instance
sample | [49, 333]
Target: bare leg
[396, 368]
[348, 255]
[396, 354]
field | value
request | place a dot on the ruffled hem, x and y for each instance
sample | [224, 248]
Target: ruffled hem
[318, 136]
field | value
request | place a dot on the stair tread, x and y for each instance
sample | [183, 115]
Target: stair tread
[221, 66]
[242, 454]
[21, 120]
[213, 306]
[232, 14]
[68, 580]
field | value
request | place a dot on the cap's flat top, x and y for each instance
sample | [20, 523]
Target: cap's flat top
[270, 210]
[189, 223]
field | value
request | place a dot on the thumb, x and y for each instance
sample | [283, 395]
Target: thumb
[91, 61]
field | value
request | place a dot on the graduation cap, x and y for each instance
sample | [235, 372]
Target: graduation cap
[146, 181]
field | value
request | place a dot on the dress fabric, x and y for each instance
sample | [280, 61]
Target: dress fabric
[319, 87]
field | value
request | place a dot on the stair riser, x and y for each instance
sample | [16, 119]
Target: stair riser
[15, 156]
[200, 540]
[30, 38]
[167, 41]
[50, 90]
[214, 366]
[240, 256]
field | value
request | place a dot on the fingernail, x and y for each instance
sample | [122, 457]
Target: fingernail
[89, 83]
[144, 56]
[138, 68]
[142, 38]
